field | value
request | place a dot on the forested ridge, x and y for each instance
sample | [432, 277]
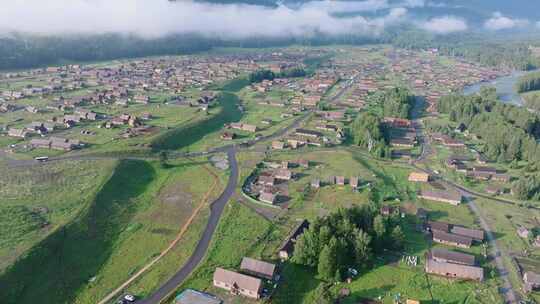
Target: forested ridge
[19, 51]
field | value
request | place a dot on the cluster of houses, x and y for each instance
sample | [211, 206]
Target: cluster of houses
[429, 77]
[320, 135]
[250, 281]
[422, 70]
[449, 263]
[306, 92]
[441, 194]
[402, 133]
[353, 182]
[254, 278]
[531, 278]
[300, 138]
[460, 163]
[270, 185]
[56, 143]
[42, 128]
[71, 89]
[453, 264]
[442, 262]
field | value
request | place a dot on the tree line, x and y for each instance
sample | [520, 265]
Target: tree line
[369, 132]
[264, 74]
[348, 238]
[396, 102]
[527, 83]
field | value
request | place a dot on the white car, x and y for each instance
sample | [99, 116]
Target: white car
[129, 298]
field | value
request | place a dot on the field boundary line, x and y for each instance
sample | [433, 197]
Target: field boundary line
[179, 236]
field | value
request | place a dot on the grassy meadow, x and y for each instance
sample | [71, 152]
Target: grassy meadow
[136, 213]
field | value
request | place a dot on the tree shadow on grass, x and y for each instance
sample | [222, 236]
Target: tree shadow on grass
[297, 282]
[185, 136]
[57, 268]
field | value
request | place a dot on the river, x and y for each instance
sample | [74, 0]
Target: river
[504, 86]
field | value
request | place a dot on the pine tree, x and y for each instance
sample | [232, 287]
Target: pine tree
[379, 226]
[327, 260]
[362, 251]
[306, 249]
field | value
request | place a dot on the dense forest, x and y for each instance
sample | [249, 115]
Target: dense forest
[368, 131]
[348, 238]
[510, 133]
[529, 82]
[396, 102]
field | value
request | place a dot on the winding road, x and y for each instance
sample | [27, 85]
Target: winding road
[216, 209]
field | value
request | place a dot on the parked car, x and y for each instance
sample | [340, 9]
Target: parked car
[127, 299]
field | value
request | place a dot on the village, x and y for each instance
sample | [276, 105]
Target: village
[292, 137]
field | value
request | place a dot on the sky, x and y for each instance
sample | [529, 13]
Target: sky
[156, 18]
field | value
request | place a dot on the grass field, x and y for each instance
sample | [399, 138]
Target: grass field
[137, 212]
[36, 201]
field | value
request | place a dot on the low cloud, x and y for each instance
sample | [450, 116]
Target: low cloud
[348, 6]
[157, 18]
[154, 18]
[343, 6]
[444, 25]
[500, 22]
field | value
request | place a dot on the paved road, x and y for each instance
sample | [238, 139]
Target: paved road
[216, 209]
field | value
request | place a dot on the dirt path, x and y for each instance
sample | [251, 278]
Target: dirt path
[179, 236]
[216, 210]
